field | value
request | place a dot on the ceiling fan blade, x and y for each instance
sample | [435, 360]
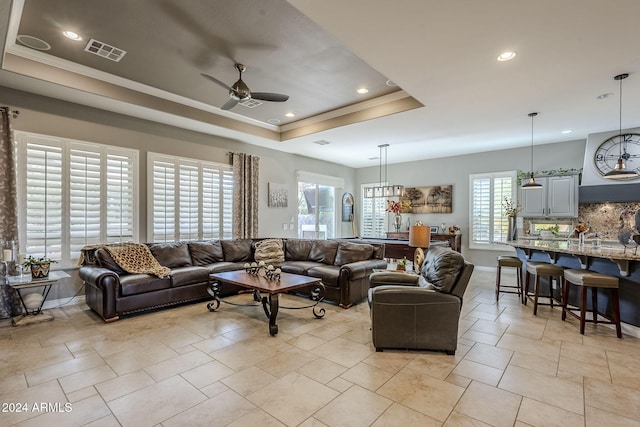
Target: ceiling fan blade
[230, 104]
[216, 81]
[267, 96]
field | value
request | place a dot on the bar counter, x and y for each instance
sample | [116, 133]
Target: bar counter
[611, 258]
[612, 251]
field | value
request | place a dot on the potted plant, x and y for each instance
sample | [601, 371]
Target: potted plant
[402, 264]
[39, 266]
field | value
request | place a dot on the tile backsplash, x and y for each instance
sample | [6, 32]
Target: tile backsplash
[605, 218]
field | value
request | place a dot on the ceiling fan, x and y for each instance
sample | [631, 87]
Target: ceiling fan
[240, 91]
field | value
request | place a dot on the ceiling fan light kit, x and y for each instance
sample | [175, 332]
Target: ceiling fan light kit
[532, 184]
[239, 91]
[620, 170]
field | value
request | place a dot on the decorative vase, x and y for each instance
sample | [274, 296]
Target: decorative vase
[512, 232]
[39, 271]
[397, 222]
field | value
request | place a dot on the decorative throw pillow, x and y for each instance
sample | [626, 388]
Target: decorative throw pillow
[270, 251]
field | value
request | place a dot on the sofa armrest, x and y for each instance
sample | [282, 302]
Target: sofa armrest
[360, 269]
[393, 278]
[101, 290]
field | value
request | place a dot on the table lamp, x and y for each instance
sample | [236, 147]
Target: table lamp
[419, 238]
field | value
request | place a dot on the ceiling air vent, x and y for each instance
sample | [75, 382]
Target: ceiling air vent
[250, 103]
[322, 142]
[104, 50]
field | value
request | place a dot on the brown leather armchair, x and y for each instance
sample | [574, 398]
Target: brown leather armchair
[421, 312]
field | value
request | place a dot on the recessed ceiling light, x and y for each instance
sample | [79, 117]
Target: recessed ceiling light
[273, 121]
[322, 142]
[362, 90]
[506, 56]
[373, 158]
[391, 83]
[605, 95]
[71, 35]
[567, 131]
[290, 115]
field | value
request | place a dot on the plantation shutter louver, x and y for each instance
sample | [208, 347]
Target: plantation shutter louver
[192, 200]
[487, 222]
[72, 194]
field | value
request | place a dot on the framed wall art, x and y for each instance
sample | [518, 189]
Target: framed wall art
[424, 200]
[278, 195]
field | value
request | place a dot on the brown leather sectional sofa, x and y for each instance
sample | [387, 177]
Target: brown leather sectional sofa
[344, 268]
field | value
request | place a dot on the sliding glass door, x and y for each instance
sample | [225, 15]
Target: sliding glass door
[316, 211]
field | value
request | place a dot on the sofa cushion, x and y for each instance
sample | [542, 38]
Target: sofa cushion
[238, 250]
[323, 251]
[183, 276]
[352, 252]
[441, 267]
[270, 251]
[133, 284]
[171, 254]
[298, 267]
[297, 249]
[105, 260]
[203, 253]
[328, 273]
[220, 267]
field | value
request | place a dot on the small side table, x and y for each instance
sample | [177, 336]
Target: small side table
[34, 314]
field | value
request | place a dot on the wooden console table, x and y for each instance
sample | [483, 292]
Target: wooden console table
[454, 240]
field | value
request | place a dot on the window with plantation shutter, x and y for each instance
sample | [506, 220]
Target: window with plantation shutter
[487, 222]
[72, 194]
[374, 215]
[192, 200]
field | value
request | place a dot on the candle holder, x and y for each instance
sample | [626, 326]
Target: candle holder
[9, 252]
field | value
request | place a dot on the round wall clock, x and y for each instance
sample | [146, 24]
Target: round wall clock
[606, 156]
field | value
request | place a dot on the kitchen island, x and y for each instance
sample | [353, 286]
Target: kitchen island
[610, 258]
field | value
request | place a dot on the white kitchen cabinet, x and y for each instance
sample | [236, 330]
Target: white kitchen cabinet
[558, 197]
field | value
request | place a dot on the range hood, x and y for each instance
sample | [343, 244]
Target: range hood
[609, 193]
[596, 189]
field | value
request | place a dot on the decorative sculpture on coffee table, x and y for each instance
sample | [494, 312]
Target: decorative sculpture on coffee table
[270, 272]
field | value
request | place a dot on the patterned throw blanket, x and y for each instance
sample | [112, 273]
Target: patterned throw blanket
[136, 258]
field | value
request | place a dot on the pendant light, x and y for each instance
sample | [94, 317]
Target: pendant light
[532, 184]
[383, 189]
[620, 170]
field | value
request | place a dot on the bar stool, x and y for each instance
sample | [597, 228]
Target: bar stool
[513, 262]
[539, 269]
[589, 279]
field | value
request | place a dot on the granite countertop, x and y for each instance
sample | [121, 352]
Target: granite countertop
[609, 249]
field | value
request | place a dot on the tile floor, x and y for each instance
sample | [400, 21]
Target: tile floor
[189, 367]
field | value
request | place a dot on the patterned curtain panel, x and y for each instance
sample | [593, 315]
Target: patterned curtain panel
[245, 198]
[9, 302]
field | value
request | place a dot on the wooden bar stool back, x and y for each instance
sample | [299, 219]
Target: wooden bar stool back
[540, 269]
[512, 262]
[589, 279]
